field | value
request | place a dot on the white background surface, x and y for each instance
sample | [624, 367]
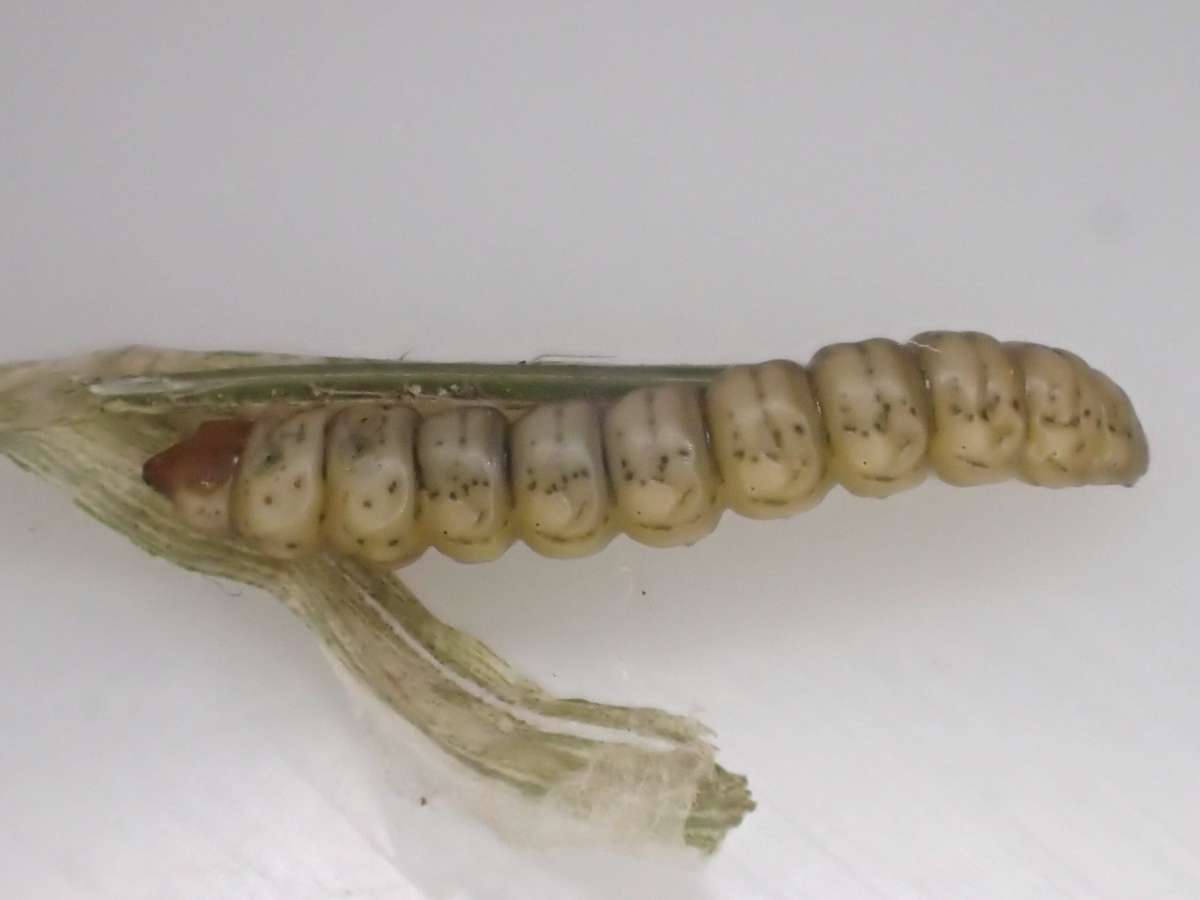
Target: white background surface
[952, 694]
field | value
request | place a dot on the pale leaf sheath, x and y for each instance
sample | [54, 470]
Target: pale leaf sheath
[650, 777]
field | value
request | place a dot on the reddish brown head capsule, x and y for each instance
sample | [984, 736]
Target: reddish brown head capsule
[203, 462]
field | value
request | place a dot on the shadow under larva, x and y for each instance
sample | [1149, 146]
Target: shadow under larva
[380, 481]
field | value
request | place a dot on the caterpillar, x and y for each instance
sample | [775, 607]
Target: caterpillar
[379, 481]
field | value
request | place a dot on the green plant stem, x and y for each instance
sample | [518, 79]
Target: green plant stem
[340, 379]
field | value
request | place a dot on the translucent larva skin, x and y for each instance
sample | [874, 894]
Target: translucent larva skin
[663, 475]
[466, 506]
[977, 396]
[564, 508]
[768, 439]
[876, 414]
[371, 499]
[660, 463]
[279, 490]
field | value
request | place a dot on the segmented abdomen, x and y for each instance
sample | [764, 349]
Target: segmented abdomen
[660, 464]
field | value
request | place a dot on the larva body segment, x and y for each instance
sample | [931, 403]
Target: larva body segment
[1063, 406]
[561, 490]
[466, 502]
[279, 492]
[768, 439]
[977, 395]
[876, 414]
[660, 463]
[662, 472]
[371, 506]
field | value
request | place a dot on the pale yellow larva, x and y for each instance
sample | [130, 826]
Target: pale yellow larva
[660, 463]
